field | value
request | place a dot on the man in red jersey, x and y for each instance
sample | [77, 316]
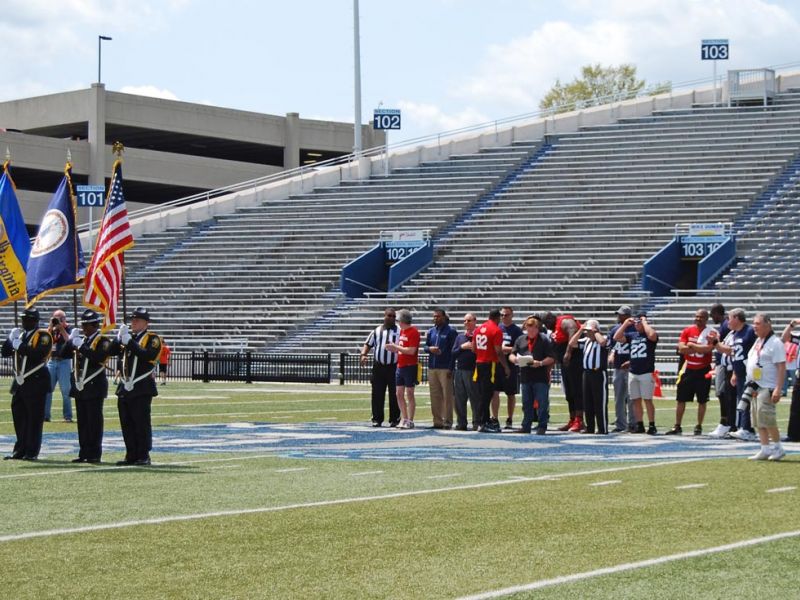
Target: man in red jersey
[695, 344]
[562, 328]
[488, 343]
[407, 348]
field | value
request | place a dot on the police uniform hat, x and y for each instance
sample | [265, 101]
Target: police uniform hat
[90, 317]
[31, 313]
[140, 312]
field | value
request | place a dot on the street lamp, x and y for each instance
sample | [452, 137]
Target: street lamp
[100, 39]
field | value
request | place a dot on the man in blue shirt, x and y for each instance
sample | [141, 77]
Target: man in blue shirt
[642, 340]
[465, 386]
[623, 408]
[736, 345]
[509, 385]
[439, 346]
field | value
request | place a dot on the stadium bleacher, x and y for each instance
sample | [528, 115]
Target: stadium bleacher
[561, 224]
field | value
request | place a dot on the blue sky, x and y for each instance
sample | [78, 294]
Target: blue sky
[445, 63]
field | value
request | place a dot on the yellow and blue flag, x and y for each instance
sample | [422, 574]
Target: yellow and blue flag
[56, 262]
[15, 244]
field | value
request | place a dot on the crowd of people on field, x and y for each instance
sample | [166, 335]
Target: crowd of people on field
[469, 370]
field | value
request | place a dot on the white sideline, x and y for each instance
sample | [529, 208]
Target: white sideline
[268, 509]
[629, 566]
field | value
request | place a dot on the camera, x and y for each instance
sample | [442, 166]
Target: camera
[55, 321]
[751, 385]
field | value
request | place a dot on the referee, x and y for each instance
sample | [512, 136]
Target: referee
[384, 365]
[594, 346]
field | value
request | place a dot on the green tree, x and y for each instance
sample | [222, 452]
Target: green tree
[596, 85]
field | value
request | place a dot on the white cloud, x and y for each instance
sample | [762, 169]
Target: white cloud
[661, 38]
[429, 117]
[148, 90]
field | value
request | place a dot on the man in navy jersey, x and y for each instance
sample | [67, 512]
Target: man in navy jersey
[508, 385]
[736, 345]
[620, 352]
[720, 372]
[642, 340]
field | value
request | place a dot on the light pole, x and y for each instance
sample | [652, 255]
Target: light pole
[100, 39]
[357, 80]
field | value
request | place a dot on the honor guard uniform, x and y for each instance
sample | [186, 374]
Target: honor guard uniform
[139, 349]
[89, 351]
[30, 347]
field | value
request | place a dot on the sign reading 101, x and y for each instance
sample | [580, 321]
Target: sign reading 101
[714, 50]
[90, 195]
[386, 118]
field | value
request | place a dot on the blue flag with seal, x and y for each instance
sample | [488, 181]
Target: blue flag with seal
[15, 244]
[56, 262]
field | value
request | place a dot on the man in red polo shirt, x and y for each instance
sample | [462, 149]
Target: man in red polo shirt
[696, 344]
[407, 348]
[488, 342]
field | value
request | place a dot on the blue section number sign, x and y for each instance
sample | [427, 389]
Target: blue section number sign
[386, 118]
[90, 195]
[714, 50]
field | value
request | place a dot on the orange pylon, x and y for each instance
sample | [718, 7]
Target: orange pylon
[657, 391]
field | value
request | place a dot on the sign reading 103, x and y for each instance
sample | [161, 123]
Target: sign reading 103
[714, 50]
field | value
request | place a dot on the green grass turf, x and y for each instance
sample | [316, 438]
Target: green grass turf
[442, 544]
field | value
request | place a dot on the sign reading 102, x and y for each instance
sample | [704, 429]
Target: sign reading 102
[714, 50]
[386, 118]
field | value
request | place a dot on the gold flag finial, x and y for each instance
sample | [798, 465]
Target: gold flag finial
[8, 154]
[69, 155]
[117, 148]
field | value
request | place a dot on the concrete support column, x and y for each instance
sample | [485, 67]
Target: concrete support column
[291, 145]
[97, 134]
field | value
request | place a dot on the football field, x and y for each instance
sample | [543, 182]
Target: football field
[283, 491]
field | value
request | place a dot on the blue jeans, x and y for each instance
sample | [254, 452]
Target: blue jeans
[541, 393]
[60, 372]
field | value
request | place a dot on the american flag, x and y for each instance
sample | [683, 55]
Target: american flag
[104, 276]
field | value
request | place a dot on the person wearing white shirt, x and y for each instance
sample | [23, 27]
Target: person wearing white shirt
[766, 368]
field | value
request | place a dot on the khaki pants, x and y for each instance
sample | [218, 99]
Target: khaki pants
[440, 382]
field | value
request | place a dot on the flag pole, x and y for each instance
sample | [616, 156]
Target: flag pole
[118, 148]
[16, 302]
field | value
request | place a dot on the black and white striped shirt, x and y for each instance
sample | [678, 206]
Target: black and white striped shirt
[595, 355]
[377, 340]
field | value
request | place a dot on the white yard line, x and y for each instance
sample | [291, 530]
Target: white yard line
[602, 483]
[630, 566]
[322, 503]
[691, 486]
[444, 476]
[363, 473]
[294, 470]
[789, 488]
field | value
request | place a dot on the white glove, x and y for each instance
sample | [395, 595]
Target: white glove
[124, 335]
[15, 334]
[75, 334]
[16, 343]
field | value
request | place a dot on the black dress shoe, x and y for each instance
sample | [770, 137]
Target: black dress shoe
[78, 460]
[376, 424]
[31, 458]
[94, 461]
[394, 423]
[123, 463]
[142, 462]
[13, 457]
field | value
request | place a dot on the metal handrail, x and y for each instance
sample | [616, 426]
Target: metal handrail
[380, 150]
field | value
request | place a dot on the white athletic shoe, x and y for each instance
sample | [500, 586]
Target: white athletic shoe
[403, 424]
[778, 454]
[410, 424]
[763, 454]
[719, 432]
[744, 435]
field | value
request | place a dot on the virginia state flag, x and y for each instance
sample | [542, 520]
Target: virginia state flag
[56, 261]
[15, 245]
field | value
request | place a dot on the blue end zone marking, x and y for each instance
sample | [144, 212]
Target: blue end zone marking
[359, 442]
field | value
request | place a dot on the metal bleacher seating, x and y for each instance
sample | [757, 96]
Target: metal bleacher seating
[572, 231]
[560, 224]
